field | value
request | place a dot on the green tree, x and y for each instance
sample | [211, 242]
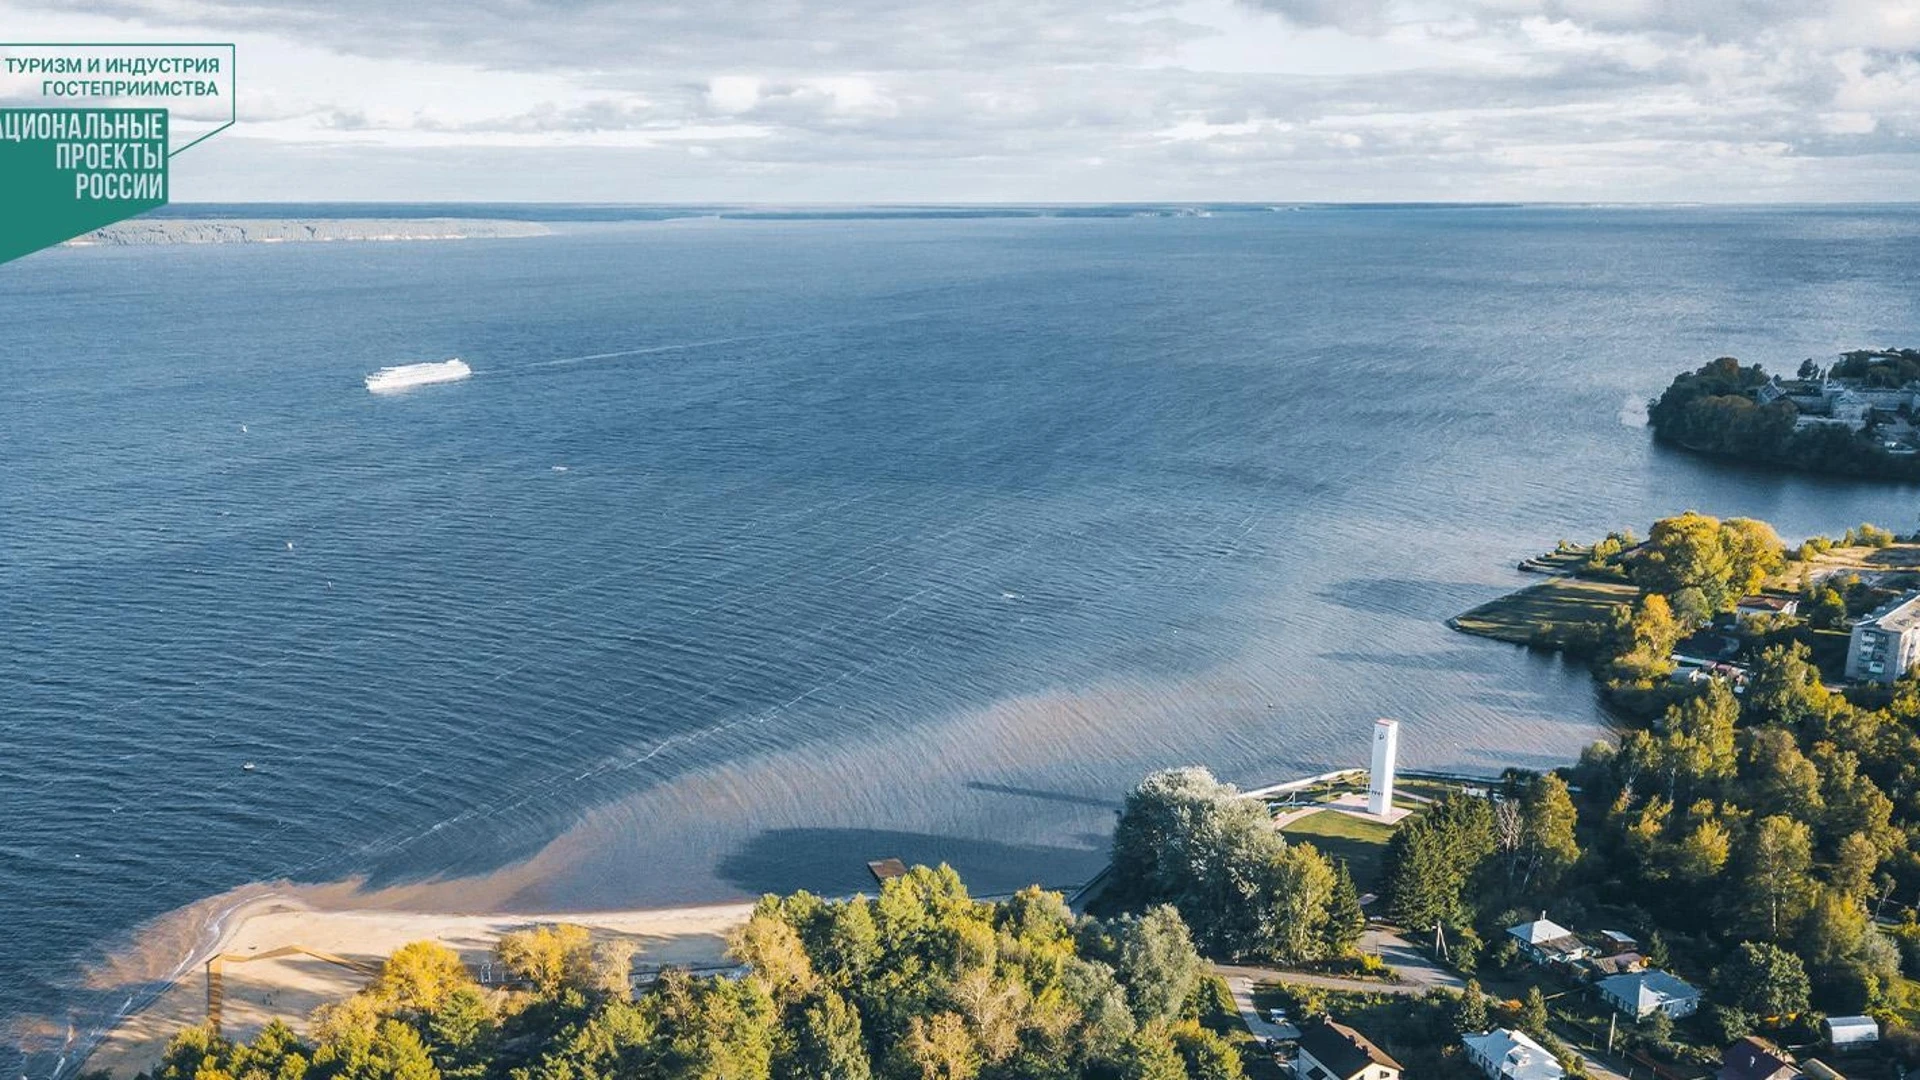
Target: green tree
[824, 1043]
[709, 1029]
[462, 1034]
[1644, 638]
[940, 1048]
[1433, 859]
[550, 958]
[1688, 551]
[276, 1053]
[1772, 888]
[1150, 1055]
[1205, 1055]
[391, 1051]
[1763, 979]
[774, 955]
[1185, 838]
[1472, 1012]
[418, 977]
[1785, 687]
[195, 1052]
[1702, 853]
[1299, 893]
[1154, 959]
[1345, 920]
[1754, 551]
[1533, 1014]
[1854, 865]
[1698, 747]
[1776, 778]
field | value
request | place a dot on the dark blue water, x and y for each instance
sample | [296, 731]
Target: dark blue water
[755, 549]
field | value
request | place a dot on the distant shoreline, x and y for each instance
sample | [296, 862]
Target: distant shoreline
[167, 232]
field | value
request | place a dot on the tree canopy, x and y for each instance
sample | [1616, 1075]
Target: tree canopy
[920, 982]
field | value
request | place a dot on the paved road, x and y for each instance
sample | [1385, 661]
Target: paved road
[1240, 981]
[1596, 1068]
[1406, 959]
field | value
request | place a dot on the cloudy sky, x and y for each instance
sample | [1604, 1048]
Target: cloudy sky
[1044, 100]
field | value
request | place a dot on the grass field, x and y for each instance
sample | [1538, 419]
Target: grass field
[1900, 556]
[1547, 613]
[1362, 843]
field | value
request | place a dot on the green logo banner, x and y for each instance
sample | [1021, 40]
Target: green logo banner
[66, 172]
[88, 129]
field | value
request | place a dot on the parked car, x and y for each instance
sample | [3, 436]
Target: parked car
[1276, 1016]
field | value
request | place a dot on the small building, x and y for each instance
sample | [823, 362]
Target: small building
[1754, 1058]
[1886, 643]
[1547, 942]
[1753, 607]
[1614, 942]
[1644, 993]
[1505, 1054]
[1330, 1051]
[1850, 1032]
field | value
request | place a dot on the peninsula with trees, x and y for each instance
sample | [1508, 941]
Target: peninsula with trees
[1854, 416]
[1765, 787]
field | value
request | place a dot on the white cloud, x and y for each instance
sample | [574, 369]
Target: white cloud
[855, 100]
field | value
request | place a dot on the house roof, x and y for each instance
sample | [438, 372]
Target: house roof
[1767, 603]
[1896, 617]
[1344, 1051]
[1618, 962]
[1643, 990]
[1618, 938]
[1841, 1027]
[1546, 936]
[1515, 1055]
[1539, 931]
[1753, 1058]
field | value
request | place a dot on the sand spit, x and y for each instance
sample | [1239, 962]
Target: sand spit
[290, 987]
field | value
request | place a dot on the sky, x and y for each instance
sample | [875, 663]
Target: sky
[868, 101]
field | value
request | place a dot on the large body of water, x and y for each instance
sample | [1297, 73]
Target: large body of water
[755, 549]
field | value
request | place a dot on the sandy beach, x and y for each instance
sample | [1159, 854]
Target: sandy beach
[260, 984]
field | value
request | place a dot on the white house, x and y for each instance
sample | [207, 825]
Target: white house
[1547, 942]
[1504, 1054]
[1330, 1051]
[1643, 993]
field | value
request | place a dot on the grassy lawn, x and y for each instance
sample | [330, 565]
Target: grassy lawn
[1547, 612]
[1901, 556]
[1362, 843]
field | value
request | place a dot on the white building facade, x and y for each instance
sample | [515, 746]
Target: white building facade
[1886, 643]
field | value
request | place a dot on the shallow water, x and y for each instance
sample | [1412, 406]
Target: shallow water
[757, 549]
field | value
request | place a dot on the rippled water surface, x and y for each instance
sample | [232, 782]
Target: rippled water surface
[757, 549]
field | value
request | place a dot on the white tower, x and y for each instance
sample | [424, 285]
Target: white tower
[1386, 745]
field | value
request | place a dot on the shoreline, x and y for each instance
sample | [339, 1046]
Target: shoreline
[265, 978]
